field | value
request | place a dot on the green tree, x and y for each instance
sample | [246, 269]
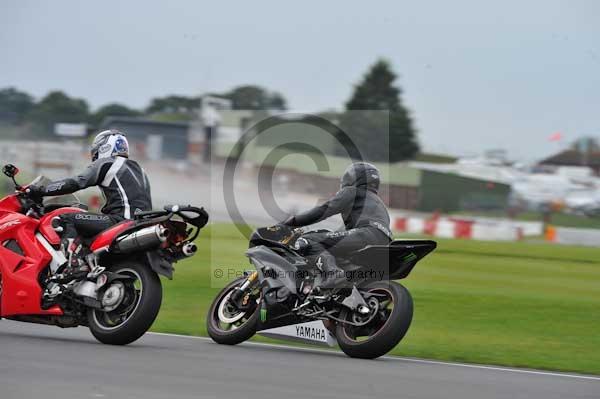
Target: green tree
[113, 109]
[255, 98]
[57, 107]
[277, 102]
[174, 105]
[14, 105]
[368, 129]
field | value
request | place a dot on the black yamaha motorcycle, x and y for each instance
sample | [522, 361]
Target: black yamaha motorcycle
[366, 317]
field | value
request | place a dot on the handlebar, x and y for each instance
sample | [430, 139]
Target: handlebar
[28, 202]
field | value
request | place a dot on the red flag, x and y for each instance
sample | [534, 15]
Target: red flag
[555, 136]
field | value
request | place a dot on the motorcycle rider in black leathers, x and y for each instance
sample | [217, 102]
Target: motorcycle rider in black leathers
[365, 217]
[123, 183]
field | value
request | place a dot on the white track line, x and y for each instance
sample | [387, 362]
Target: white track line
[405, 359]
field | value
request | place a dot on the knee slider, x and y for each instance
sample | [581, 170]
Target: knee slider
[57, 224]
[301, 245]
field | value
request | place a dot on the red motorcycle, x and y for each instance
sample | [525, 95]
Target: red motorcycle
[119, 298]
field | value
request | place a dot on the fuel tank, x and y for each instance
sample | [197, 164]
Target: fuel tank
[46, 228]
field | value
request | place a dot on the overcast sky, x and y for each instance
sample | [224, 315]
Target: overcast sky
[476, 74]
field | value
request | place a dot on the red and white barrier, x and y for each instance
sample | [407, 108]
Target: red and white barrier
[459, 228]
[497, 232]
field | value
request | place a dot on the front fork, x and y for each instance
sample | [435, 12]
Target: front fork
[239, 295]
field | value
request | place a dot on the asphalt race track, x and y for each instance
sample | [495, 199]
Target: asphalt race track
[47, 362]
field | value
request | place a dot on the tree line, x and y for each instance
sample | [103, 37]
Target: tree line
[374, 119]
[20, 108]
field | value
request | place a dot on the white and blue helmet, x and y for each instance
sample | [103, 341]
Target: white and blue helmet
[109, 143]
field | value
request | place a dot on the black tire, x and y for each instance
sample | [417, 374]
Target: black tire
[387, 335]
[230, 337]
[142, 315]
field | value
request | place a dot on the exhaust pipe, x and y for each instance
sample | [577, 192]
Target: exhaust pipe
[143, 239]
[189, 249]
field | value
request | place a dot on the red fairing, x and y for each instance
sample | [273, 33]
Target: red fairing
[21, 291]
[105, 238]
[10, 203]
[46, 223]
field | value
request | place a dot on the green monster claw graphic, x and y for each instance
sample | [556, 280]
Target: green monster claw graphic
[263, 315]
[409, 257]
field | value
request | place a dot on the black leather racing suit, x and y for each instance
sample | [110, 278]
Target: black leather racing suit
[366, 220]
[125, 188]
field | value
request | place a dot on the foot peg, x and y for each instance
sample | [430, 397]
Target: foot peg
[53, 290]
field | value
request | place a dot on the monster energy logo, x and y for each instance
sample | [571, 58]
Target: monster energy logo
[410, 257]
[263, 315]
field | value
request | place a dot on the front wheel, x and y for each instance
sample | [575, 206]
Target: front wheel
[130, 305]
[228, 325]
[391, 310]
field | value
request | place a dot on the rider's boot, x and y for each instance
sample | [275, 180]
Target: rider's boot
[75, 267]
[331, 275]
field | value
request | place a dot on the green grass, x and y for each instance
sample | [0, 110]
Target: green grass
[513, 304]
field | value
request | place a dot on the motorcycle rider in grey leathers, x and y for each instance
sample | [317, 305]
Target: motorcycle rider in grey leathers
[123, 183]
[365, 217]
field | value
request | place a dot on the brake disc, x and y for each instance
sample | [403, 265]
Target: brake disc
[225, 315]
[113, 296]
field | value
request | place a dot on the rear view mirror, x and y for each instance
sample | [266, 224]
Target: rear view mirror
[10, 170]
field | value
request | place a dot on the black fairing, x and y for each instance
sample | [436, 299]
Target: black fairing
[275, 271]
[270, 236]
[396, 259]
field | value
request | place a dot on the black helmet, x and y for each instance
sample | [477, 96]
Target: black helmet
[361, 174]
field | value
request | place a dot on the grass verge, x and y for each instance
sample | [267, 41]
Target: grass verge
[512, 304]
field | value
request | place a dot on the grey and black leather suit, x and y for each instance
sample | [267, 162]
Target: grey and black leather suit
[125, 188]
[365, 217]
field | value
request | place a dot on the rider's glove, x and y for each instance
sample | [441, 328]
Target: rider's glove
[36, 193]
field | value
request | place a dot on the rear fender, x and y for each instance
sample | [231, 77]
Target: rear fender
[159, 264]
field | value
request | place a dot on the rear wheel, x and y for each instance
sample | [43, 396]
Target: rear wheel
[391, 310]
[130, 305]
[228, 325]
